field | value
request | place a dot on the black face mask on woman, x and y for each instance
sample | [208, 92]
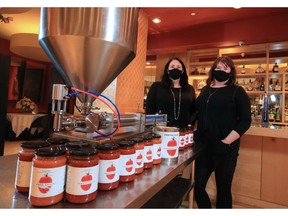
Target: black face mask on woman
[175, 73]
[220, 75]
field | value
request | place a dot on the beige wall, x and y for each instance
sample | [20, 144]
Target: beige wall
[130, 83]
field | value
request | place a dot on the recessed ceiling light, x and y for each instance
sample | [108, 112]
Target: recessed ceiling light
[156, 20]
[193, 14]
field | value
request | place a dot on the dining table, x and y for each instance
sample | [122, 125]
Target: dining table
[21, 121]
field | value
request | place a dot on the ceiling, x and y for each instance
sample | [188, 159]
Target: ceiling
[26, 20]
[179, 18]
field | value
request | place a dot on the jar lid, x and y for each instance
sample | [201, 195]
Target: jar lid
[35, 144]
[147, 137]
[50, 151]
[126, 143]
[157, 136]
[57, 141]
[137, 139]
[84, 151]
[107, 146]
[76, 144]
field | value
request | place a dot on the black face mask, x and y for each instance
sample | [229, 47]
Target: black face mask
[220, 75]
[175, 73]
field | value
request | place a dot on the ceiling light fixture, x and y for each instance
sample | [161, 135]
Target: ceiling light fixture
[193, 14]
[156, 20]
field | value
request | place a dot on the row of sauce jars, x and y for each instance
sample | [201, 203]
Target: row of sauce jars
[77, 170]
[44, 170]
[185, 138]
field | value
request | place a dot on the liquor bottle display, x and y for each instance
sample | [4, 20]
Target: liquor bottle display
[264, 68]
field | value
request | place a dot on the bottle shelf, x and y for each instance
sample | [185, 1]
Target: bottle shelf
[251, 58]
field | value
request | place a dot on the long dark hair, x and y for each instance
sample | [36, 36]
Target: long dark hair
[166, 79]
[228, 62]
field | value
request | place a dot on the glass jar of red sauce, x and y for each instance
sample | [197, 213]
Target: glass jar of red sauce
[157, 142]
[190, 135]
[56, 141]
[127, 161]
[82, 175]
[24, 163]
[182, 137]
[109, 159]
[186, 138]
[139, 151]
[47, 176]
[148, 152]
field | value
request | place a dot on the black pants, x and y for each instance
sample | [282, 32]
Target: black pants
[224, 167]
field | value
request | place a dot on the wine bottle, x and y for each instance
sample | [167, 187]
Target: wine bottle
[265, 117]
[262, 85]
[275, 68]
[243, 71]
[271, 85]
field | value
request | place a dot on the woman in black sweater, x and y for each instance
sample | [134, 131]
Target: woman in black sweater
[224, 115]
[173, 96]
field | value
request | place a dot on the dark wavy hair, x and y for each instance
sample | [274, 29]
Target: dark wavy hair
[226, 61]
[166, 79]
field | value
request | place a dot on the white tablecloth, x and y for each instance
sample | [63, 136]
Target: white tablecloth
[20, 121]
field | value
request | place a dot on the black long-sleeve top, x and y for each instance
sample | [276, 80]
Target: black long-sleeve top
[221, 110]
[160, 100]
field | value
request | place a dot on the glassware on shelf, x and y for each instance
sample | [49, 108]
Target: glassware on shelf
[286, 85]
[203, 71]
[275, 68]
[243, 70]
[260, 69]
[262, 85]
[201, 84]
[277, 86]
[195, 71]
[271, 85]
[286, 70]
[249, 86]
[256, 85]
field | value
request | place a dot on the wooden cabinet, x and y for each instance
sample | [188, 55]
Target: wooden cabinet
[261, 174]
[274, 170]
[254, 65]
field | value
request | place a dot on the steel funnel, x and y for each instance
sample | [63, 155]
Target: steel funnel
[89, 46]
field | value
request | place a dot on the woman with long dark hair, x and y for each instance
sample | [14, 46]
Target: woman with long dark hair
[173, 96]
[224, 115]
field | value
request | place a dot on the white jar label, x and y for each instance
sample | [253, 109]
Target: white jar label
[127, 164]
[148, 155]
[186, 139]
[108, 171]
[47, 182]
[139, 158]
[156, 151]
[82, 180]
[182, 141]
[170, 144]
[23, 173]
[191, 138]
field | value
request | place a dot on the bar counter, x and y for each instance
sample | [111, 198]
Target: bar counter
[268, 131]
[127, 195]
